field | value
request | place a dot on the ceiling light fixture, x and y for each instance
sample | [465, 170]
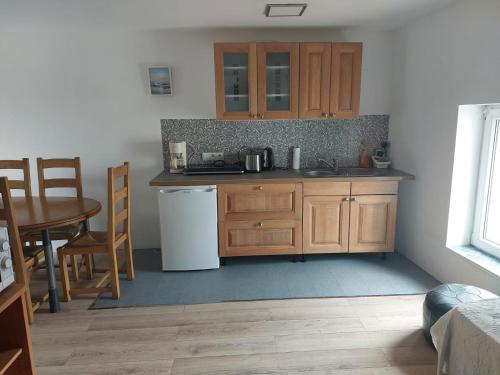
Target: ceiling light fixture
[285, 10]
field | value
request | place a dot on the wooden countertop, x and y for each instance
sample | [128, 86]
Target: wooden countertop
[279, 176]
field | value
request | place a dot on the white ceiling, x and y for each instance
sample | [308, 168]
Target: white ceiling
[384, 14]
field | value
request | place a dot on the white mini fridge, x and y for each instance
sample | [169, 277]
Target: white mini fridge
[188, 219]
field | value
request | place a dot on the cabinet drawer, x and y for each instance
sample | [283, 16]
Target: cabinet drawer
[327, 188]
[259, 201]
[266, 237]
[374, 187]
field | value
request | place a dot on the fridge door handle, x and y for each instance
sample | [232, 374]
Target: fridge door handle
[187, 191]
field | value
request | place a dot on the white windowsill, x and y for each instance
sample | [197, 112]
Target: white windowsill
[484, 260]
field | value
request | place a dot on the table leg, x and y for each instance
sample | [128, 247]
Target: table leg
[90, 257]
[51, 274]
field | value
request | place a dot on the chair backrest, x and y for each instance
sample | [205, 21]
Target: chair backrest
[116, 195]
[24, 166]
[7, 215]
[53, 183]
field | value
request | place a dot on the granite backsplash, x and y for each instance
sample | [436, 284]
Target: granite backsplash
[339, 139]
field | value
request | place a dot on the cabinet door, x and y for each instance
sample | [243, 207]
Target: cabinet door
[259, 201]
[326, 224]
[315, 70]
[236, 80]
[345, 80]
[372, 223]
[264, 237]
[278, 80]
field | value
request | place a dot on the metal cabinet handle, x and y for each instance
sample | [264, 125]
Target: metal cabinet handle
[260, 188]
[332, 114]
[260, 225]
[261, 116]
[325, 115]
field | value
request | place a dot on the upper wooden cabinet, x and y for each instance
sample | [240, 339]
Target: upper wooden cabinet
[330, 80]
[257, 81]
[278, 80]
[345, 87]
[287, 80]
[236, 80]
[315, 67]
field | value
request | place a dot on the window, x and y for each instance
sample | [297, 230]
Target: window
[486, 233]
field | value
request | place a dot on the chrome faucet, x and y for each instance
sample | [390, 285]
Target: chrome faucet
[334, 165]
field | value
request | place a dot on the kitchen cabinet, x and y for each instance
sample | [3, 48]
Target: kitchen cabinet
[330, 80]
[287, 80]
[315, 67]
[361, 221]
[326, 224]
[372, 223]
[260, 219]
[256, 80]
[278, 80]
[260, 237]
[345, 87]
[235, 80]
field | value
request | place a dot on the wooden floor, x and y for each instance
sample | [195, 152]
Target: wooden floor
[345, 336]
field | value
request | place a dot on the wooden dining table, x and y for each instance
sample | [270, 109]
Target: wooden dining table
[46, 213]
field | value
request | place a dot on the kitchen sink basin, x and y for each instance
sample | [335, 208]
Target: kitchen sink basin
[358, 172]
[321, 173]
[344, 172]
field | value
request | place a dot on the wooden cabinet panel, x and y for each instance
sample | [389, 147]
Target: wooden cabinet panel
[326, 224]
[345, 80]
[327, 188]
[372, 223]
[265, 237]
[374, 187]
[278, 80]
[315, 66]
[235, 80]
[257, 202]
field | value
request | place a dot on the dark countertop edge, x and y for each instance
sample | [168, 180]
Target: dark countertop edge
[279, 176]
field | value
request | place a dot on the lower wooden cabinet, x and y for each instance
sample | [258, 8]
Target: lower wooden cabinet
[266, 237]
[372, 223]
[326, 224]
[309, 218]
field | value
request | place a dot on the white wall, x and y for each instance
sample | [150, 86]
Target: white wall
[82, 92]
[443, 60]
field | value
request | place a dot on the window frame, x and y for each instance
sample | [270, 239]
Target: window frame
[491, 140]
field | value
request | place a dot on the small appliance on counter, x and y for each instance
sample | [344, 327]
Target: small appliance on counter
[6, 267]
[253, 162]
[178, 156]
[257, 160]
[213, 169]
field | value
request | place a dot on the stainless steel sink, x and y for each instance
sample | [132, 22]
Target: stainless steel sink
[344, 172]
[359, 172]
[320, 173]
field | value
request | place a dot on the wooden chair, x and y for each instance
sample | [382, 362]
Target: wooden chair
[70, 231]
[22, 262]
[24, 166]
[93, 242]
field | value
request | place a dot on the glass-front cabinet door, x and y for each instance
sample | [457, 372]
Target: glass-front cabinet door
[236, 80]
[278, 78]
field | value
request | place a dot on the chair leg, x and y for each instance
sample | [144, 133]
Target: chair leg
[63, 266]
[75, 269]
[27, 298]
[130, 260]
[89, 266]
[115, 282]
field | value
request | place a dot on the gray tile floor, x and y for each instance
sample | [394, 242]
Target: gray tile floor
[256, 278]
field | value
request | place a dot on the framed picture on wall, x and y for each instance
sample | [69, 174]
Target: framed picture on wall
[160, 80]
